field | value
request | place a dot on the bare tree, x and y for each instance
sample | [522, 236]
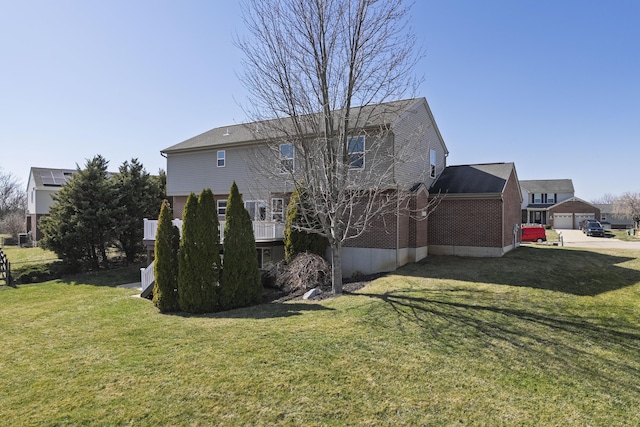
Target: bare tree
[320, 74]
[13, 223]
[628, 206]
[606, 199]
[13, 198]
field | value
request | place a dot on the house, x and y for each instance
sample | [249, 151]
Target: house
[539, 195]
[611, 221]
[220, 156]
[479, 205]
[553, 202]
[479, 210]
[43, 183]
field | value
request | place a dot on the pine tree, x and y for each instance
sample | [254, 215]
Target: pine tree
[83, 218]
[240, 285]
[296, 241]
[188, 269]
[208, 254]
[139, 196]
[165, 288]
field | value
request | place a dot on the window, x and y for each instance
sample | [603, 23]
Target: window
[432, 163]
[221, 158]
[277, 210]
[222, 207]
[264, 257]
[286, 158]
[537, 198]
[257, 209]
[356, 152]
[551, 198]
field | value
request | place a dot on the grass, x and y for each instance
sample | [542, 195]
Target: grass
[625, 235]
[543, 336]
[26, 256]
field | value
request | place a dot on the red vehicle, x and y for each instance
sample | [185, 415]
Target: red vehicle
[533, 233]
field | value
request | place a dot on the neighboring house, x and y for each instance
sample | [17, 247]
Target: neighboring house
[571, 213]
[540, 195]
[216, 158]
[553, 202]
[43, 183]
[479, 210]
[609, 220]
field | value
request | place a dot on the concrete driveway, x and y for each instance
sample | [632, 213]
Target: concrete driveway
[576, 238]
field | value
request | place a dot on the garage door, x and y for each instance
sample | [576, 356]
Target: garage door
[563, 221]
[582, 216]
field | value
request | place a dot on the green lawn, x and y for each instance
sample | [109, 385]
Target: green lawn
[543, 336]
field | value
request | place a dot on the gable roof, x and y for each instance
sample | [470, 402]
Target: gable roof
[489, 178]
[573, 199]
[375, 115]
[548, 186]
[49, 177]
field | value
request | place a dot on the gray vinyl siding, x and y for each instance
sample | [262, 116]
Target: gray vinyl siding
[248, 166]
[415, 136]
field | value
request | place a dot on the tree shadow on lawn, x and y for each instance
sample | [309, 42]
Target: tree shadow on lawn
[459, 321]
[576, 272]
[261, 311]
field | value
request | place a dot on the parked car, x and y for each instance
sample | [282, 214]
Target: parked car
[593, 228]
[533, 233]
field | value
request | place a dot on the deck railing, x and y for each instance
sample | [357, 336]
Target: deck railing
[146, 277]
[262, 230]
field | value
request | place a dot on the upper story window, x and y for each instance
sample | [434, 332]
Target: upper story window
[432, 163]
[222, 207]
[277, 210]
[221, 158]
[551, 198]
[537, 198]
[356, 152]
[287, 161]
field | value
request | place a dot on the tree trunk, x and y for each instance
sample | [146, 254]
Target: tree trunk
[336, 268]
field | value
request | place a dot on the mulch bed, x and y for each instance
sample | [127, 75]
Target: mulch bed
[348, 286]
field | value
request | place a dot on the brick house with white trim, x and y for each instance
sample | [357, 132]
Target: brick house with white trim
[217, 157]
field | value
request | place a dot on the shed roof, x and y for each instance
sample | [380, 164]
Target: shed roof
[473, 179]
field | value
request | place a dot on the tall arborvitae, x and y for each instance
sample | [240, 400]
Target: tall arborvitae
[208, 254]
[240, 284]
[297, 241]
[165, 269]
[188, 269]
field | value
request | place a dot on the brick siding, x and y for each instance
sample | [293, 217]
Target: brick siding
[466, 222]
[573, 207]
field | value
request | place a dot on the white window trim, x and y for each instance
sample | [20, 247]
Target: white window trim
[258, 204]
[275, 212]
[283, 169]
[432, 163]
[221, 208]
[363, 152]
[224, 158]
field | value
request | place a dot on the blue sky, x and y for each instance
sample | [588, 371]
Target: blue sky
[552, 85]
